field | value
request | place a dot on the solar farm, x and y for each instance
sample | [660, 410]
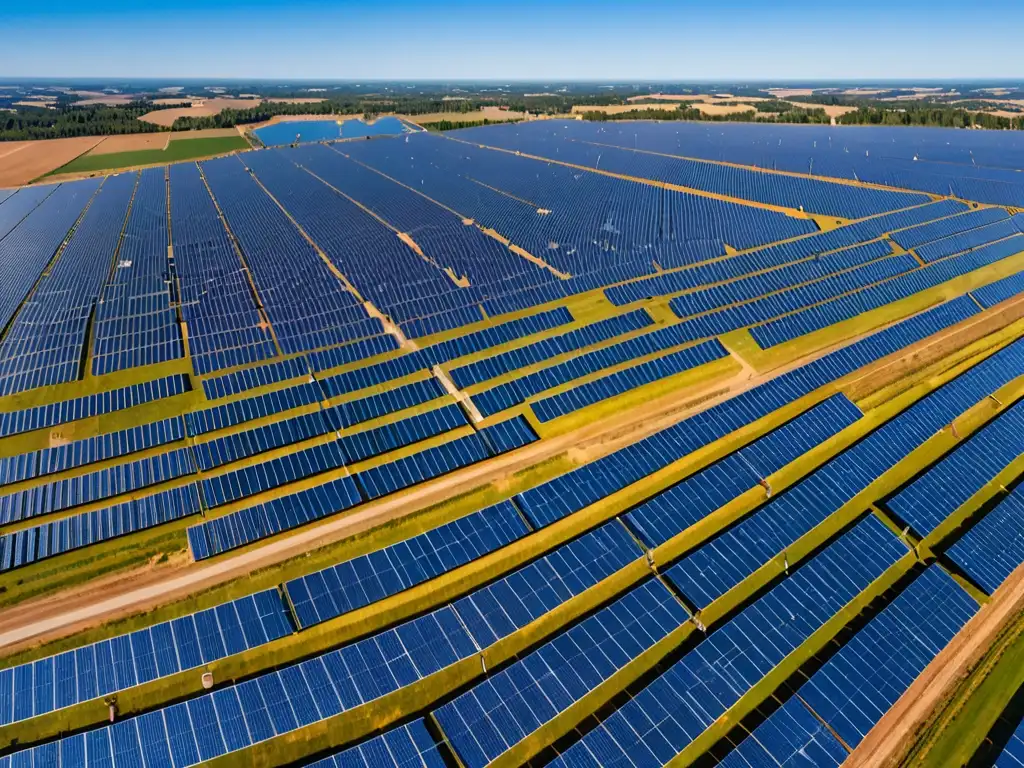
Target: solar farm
[551, 443]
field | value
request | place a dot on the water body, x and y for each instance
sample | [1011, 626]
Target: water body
[327, 130]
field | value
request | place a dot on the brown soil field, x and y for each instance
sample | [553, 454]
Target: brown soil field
[139, 141]
[785, 93]
[37, 104]
[35, 158]
[210, 107]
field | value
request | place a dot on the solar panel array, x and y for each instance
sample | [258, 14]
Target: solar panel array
[96, 670]
[994, 547]
[494, 715]
[236, 348]
[660, 720]
[355, 583]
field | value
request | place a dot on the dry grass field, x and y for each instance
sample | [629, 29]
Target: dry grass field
[209, 108]
[832, 110]
[785, 93]
[297, 100]
[23, 161]
[617, 109]
[710, 108]
[486, 113]
[705, 98]
[140, 141]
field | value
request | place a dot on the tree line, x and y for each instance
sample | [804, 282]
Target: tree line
[788, 115]
[67, 121]
[451, 125]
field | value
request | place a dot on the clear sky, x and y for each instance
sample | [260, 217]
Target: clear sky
[513, 39]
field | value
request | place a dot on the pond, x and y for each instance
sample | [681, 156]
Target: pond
[326, 130]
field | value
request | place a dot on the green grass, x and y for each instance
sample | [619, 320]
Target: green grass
[177, 150]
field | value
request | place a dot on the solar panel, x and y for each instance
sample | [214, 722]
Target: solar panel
[994, 546]
[279, 701]
[661, 719]
[363, 580]
[407, 746]
[949, 483]
[494, 715]
[160, 650]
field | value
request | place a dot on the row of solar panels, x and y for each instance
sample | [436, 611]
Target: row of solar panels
[488, 622]
[818, 245]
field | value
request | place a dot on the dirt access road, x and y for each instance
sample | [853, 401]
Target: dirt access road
[887, 742]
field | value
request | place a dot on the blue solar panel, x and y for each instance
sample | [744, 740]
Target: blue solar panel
[857, 686]
[42, 416]
[95, 486]
[257, 407]
[836, 310]
[427, 464]
[926, 233]
[249, 378]
[538, 351]
[278, 702]
[227, 532]
[256, 478]
[40, 542]
[79, 453]
[664, 717]
[949, 483]
[494, 715]
[507, 435]
[575, 490]
[724, 561]
[993, 548]
[363, 580]
[1001, 290]
[1012, 755]
[617, 383]
[407, 746]
[372, 442]
[790, 736]
[520, 389]
[239, 445]
[354, 412]
[499, 609]
[673, 510]
[156, 651]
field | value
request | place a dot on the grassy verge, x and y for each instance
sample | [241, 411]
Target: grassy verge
[176, 151]
[960, 731]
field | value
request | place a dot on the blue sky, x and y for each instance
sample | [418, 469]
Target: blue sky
[514, 39]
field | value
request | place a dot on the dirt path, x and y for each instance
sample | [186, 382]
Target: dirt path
[60, 615]
[887, 742]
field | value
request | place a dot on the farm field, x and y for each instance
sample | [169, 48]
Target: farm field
[548, 443]
[24, 161]
[177, 148]
[196, 107]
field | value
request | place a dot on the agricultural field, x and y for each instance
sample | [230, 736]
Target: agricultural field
[25, 161]
[549, 443]
[175, 148]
